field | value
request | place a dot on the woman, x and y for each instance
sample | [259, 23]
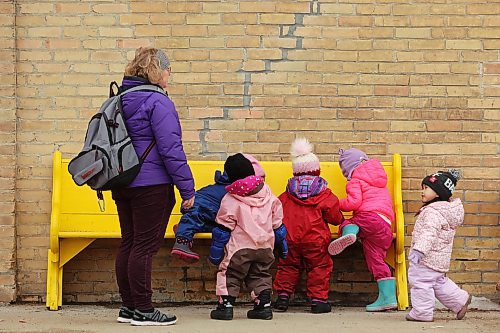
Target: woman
[144, 206]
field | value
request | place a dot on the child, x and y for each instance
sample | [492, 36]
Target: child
[249, 218]
[431, 246]
[308, 205]
[201, 216]
[371, 206]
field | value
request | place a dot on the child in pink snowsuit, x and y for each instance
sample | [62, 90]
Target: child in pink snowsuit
[250, 222]
[370, 202]
[431, 247]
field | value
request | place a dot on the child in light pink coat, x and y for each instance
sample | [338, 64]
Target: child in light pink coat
[370, 202]
[249, 224]
[431, 247]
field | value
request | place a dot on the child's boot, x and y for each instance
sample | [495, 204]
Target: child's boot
[182, 250]
[386, 296]
[262, 306]
[349, 233]
[224, 310]
[281, 304]
[320, 306]
[463, 310]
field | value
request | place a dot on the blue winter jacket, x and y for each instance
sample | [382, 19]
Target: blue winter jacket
[211, 196]
[150, 115]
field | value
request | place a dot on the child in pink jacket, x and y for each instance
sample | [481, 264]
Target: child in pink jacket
[250, 222]
[431, 246]
[370, 202]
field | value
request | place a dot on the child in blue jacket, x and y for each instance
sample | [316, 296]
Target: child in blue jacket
[201, 216]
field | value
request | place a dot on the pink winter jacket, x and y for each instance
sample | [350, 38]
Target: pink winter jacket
[367, 191]
[434, 232]
[251, 219]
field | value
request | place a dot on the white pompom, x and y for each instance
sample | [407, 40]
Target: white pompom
[300, 147]
[455, 173]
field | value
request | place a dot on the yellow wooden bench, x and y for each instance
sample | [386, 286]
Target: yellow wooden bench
[76, 220]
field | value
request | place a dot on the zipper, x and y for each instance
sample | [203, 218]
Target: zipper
[107, 128]
[120, 152]
[104, 153]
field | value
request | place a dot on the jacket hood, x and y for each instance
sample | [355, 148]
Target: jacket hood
[452, 211]
[372, 172]
[134, 81]
[306, 186]
[221, 178]
[258, 199]
[311, 201]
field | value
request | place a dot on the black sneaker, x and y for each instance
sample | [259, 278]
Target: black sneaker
[320, 307]
[281, 304]
[222, 312]
[155, 318]
[125, 315]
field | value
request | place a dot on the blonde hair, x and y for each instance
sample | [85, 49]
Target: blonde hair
[145, 64]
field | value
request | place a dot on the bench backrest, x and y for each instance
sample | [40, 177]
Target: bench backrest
[75, 208]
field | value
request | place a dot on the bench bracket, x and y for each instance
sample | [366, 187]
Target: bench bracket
[70, 247]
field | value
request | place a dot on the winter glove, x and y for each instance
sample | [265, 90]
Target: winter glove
[220, 237]
[280, 241]
[415, 256]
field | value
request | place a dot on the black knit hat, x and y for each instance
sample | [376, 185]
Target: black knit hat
[238, 167]
[443, 183]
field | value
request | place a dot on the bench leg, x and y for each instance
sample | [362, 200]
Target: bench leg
[402, 282]
[54, 279]
[68, 249]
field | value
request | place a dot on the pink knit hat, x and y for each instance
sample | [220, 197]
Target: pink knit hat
[244, 186]
[256, 166]
[350, 159]
[304, 162]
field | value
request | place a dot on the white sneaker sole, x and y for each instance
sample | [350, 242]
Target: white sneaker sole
[340, 244]
[123, 320]
[151, 323]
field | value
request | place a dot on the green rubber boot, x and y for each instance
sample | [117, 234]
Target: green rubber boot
[349, 233]
[386, 296]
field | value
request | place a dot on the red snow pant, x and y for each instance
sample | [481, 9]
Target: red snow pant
[317, 263]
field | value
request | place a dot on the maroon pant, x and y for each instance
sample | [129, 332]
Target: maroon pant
[144, 213]
[315, 260]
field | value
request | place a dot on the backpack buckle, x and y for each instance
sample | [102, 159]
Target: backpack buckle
[100, 201]
[112, 123]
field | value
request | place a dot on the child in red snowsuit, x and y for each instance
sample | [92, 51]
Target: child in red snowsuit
[308, 206]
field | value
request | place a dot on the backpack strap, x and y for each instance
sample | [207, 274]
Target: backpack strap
[143, 87]
[146, 152]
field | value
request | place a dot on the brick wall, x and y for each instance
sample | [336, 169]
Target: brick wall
[420, 78]
[7, 152]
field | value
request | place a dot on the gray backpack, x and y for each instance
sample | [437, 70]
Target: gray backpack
[108, 159]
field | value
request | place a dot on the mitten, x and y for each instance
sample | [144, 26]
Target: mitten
[220, 237]
[415, 256]
[280, 241]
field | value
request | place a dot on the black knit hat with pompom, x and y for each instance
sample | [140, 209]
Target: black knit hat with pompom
[443, 183]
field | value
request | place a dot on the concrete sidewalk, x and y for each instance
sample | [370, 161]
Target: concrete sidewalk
[192, 319]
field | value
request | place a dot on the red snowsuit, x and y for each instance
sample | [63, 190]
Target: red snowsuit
[308, 236]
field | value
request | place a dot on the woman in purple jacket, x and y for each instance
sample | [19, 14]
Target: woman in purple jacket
[144, 206]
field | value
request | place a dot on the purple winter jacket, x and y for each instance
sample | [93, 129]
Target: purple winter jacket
[150, 115]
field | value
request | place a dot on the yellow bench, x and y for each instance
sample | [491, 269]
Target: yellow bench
[76, 220]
